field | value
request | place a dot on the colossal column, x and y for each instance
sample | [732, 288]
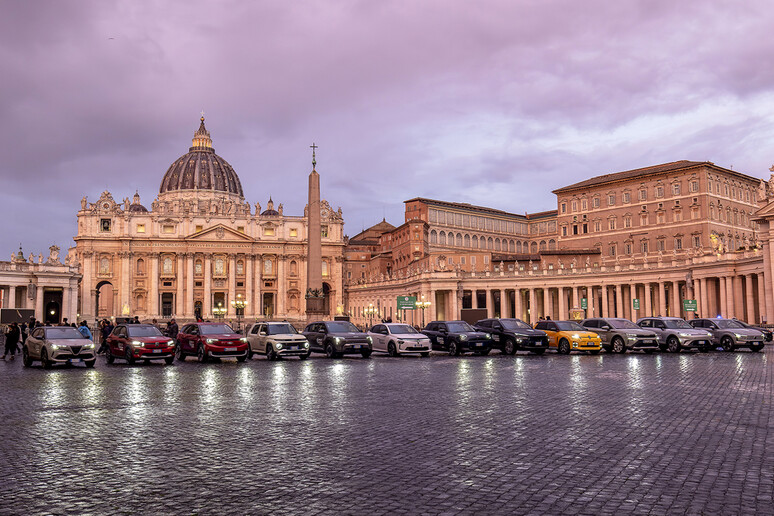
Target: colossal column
[153, 286]
[189, 285]
[231, 310]
[314, 306]
[180, 296]
[207, 305]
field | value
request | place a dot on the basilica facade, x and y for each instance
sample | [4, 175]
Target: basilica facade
[201, 250]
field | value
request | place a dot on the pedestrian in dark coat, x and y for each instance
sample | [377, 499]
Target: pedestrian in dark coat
[12, 337]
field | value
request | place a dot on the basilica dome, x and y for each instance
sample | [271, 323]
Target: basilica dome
[201, 169]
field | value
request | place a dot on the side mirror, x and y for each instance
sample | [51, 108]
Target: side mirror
[262, 333]
[604, 327]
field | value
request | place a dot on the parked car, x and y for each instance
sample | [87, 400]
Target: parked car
[457, 337]
[132, 342]
[337, 338]
[730, 334]
[58, 345]
[512, 335]
[768, 336]
[209, 341]
[618, 334]
[675, 334]
[567, 336]
[276, 340]
[399, 339]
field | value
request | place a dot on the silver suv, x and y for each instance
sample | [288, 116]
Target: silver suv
[675, 334]
[730, 334]
[618, 335]
[276, 340]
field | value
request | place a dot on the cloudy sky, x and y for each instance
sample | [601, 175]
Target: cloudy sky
[489, 102]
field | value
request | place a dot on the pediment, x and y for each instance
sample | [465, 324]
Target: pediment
[765, 212]
[219, 233]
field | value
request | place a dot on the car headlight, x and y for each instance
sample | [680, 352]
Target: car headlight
[338, 340]
[279, 345]
[684, 334]
[90, 345]
[243, 339]
[369, 339]
[487, 336]
[400, 341]
[210, 341]
[306, 344]
[136, 343]
[170, 343]
[56, 346]
[738, 336]
[575, 336]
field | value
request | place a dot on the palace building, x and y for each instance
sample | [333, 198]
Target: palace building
[627, 244]
[201, 250]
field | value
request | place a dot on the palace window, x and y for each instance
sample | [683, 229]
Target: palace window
[268, 231]
[611, 200]
[627, 248]
[597, 226]
[574, 205]
[168, 228]
[595, 202]
[661, 244]
[584, 204]
[676, 189]
[659, 192]
[612, 249]
[644, 246]
[324, 231]
[693, 186]
[626, 197]
[611, 223]
[141, 228]
[643, 219]
[643, 195]
[696, 240]
[564, 207]
[140, 266]
[293, 232]
[104, 225]
[678, 243]
[324, 269]
[628, 221]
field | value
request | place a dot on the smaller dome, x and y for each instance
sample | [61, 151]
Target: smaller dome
[270, 213]
[137, 208]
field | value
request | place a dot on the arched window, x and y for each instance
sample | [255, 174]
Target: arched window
[490, 243]
[497, 244]
[140, 302]
[475, 242]
[467, 240]
[433, 237]
[140, 266]
[543, 245]
[442, 238]
[512, 246]
[293, 268]
[459, 240]
[482, 243]
[552, 244]
[518, 246]
[533, 248]
[167, 265]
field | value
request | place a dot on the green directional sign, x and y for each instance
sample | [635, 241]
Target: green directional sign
[584, 303]
[636, 304]
[690, 305]
[407, 302]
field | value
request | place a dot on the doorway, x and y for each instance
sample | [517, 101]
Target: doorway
[167, 300]
[268, 305]
[103, 300]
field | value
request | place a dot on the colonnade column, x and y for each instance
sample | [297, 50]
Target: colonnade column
[282, 294]
[722, 296]
[704, 308]
[39, 315]
[730, 297]
[677, 310]
[648, 300]
[661, 299]
[605, 308]
[618, 301]
[768, 282]
[180, 296]
[126, 282]
[697, 296]
[502, 303]
[763, 302]
[738, 296]
[230, 309]
[189, 285]
[153, 284]
[547, 304]
[207, 305]
[87, 287]
[627, 301]
[519, 301]
[455, 303]
[250, 308]
[12, 297]
[562, 303]
[749, 313]
[591, 302]
[259, 286]
[533, 306]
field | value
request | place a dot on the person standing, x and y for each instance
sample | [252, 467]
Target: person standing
[107, 329]
[85, 331]
[11, 340]
[172, 329]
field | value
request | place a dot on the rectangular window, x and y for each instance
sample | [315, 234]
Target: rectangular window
[293, 232]
[676, 189]
[611, 224]
[141, 228]
[199, 229]
[168, 229]
[644, 247]
[612, 250]
[486, 259]
[597, 226]
[643, 195]
[574, 205]
[694, 186]
[627, 222]
[241, 229]
[611, 200]
[268, 231]
[585, 228]
[472, 260]
[564, 207]
[659, 192]
[644, 219]
[678, 243]
[324, 231]
[626, 197]
[584, 205]
[661, 245]
[104, 225]
[564, 230]
[627, 248]
[696, 240]
[462, 260]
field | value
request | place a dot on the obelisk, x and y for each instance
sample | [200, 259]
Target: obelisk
[314, 296]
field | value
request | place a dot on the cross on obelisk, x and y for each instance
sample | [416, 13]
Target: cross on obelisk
[314, 159]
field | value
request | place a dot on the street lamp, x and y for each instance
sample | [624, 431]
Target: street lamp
[239, 305]
[370, 311]
[422, 304]
[219, 311]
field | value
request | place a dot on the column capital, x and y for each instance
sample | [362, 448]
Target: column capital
[189, 255]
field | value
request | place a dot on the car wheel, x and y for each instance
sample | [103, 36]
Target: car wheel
[128, 355]
[564, 347]
[454, 349]
[44, 359]
[366, 353]
[270, 353]
[90, 363]
[756, 349]
[243, 357]
[673, 345]
[509, 348]
[26, 360]
[109, 356]
[618, 345]
[424, 354]
[727, 343]
[169, 360]
[201, 354]
[249, 352]
[538, 351]
[330, 351]
[392, 350]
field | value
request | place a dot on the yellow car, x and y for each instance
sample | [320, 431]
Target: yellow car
[566, 336]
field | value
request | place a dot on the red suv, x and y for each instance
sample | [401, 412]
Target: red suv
[133, 342]
[210, 340]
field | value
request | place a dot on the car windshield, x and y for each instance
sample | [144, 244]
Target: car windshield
[727, 323]
[144, 331]
[342, 327]
[401, 328]
[569, 326]
[215, 329]
[459, 327]
[64, 332]
[623, 324]
[280, 328]
[677, 324]
[514, 324]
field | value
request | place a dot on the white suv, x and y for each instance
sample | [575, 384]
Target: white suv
[276, 340]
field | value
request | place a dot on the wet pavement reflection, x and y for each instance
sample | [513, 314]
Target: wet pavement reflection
[635, 434]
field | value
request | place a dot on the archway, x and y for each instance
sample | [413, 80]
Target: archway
[103, 300]
[53, 312]
[327, 298]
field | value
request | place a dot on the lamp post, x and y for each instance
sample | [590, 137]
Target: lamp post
[422, 304]
[369, 312]
[239, 305]
[219, 311]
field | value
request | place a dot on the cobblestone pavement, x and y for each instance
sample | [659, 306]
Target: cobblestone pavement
[624, 434]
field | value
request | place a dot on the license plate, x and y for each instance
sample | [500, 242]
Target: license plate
[230, 349]
[357, 346]
[292, 348]
[157, 350]
[478, 344]
[647, 342]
